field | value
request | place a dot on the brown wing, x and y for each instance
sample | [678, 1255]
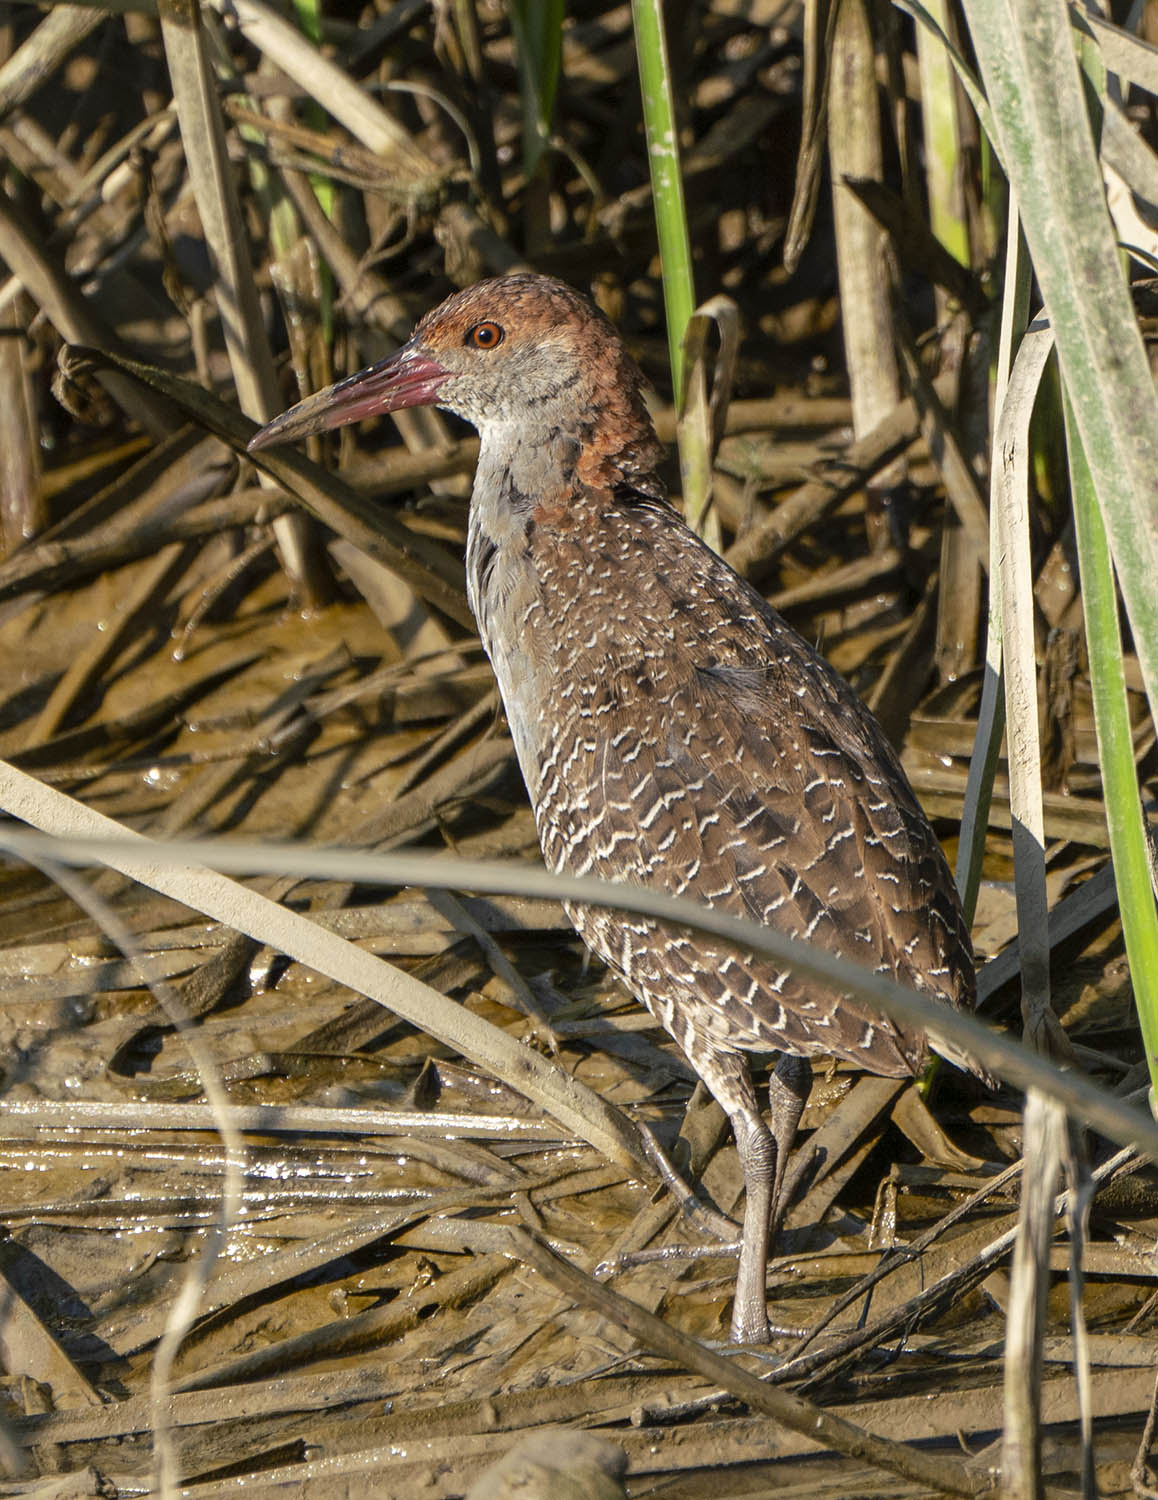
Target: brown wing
[753, 779]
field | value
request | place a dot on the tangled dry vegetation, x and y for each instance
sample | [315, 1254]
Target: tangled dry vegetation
[188, 651]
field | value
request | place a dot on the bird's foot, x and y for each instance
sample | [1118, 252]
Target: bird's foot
[629, 1260]
[710, 1220]
[750, 1322]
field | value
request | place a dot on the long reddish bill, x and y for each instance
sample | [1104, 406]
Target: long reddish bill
[405, 379]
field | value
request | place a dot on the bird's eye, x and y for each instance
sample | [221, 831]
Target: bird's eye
[485, 336]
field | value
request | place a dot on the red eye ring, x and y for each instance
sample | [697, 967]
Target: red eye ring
[485, 336]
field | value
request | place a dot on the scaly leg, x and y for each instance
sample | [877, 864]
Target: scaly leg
[757, 1152]
[726, 1074]
[764, 1157]
[788, 1089]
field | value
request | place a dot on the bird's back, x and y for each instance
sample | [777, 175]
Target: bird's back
[675, 732]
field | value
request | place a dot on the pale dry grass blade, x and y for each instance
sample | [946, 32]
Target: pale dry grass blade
[1021, 1474]
[36, 59]
[211, 176]
[295, 1119]
[1012, 1061]
[43, 276]
[243, 910]
[819, 16]
[701, 422]
[863, 252]
[1080, 1201]
[991, 710]
[23, 512]
[332, 87]
[1011, 506]
[1044, 1122]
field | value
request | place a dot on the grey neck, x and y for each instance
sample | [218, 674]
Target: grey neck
[519, 468]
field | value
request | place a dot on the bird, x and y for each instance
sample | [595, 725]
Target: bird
[672, 729]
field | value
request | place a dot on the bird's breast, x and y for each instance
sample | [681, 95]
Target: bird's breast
[558, 616]
[505, 595]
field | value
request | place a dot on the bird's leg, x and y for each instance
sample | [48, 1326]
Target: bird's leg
[729, 1080]
[757, 1152]
[788, 1089]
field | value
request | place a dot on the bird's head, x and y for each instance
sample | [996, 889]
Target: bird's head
[521, 354]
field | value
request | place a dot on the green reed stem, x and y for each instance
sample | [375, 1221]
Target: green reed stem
[666, 180]
[1116, 752]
